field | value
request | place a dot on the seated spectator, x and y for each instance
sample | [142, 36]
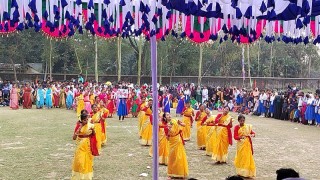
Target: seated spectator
[234, 178]
[284, 173]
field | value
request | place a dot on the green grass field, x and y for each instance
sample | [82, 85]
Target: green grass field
[37, 144]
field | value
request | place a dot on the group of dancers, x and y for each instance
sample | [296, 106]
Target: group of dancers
[213, 135]
[94, 104]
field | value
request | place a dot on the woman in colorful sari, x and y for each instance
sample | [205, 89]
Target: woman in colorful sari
[69, 100]
[62, 99]
[98, 119]
[27, 103]
[56, 96]
[80, 103]
[86, 99]
[14, 97]
[187, 119]
[222, 136]
[111, 106]
[244, 161]
[84, 134]
[40, 98]
[166, 102]
[141, 113]
[129, 103]
[92, 97]
[177, 161]
[163, 142]
[135, 105]
[49, 97]
[201, 130]
[146, 125]
[180, 105]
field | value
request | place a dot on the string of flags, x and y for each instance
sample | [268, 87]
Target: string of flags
[241, 21]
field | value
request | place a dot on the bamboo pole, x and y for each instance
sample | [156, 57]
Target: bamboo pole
[96, 74]
[119, 58]
[249, 71]
[139, 61]
[200, 65]
[50, 61]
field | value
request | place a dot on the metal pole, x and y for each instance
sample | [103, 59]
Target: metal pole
[155, 167]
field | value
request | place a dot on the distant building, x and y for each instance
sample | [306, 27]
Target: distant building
[33, 68]
[29, 68]
[8, 68]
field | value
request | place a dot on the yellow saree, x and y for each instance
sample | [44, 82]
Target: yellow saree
[82, 167]
[209, 135]
[221, 139]
[146, 128]
[177, 162]
[141, 116]
[201, 130]
[80, 104]
[163, 146]
[244, 162]
[187, 120]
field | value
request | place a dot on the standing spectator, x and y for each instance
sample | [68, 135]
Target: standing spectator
[6, 93]
[27, 102]
[14, 97]
[204, 94]
[80, 79]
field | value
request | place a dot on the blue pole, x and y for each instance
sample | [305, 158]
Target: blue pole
[155, 167]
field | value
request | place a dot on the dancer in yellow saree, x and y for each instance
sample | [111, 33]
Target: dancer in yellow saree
[163, 142]
[141, 113]
[146, 127]
[98, 119]
[222, 136]
[80, 103]
[201, 130]
[187, 119]
[244, 161]
[82, 166]
[177, 162]
[207, 123]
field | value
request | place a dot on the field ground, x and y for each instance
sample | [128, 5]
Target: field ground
[37, 144]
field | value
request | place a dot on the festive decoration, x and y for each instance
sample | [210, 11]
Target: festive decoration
[240, 21]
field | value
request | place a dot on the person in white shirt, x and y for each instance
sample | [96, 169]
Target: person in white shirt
[187, 94]
[204, 94]
[262, 99]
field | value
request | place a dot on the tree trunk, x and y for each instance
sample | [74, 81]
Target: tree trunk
[139, 61]
[200, 66]
[14, 69]
[65, 71]
[78, 60]
[96, 74]
[45, 71]
[160, 72]
[119, 58]
[309, 69]
[50, 61]
[87, 70]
